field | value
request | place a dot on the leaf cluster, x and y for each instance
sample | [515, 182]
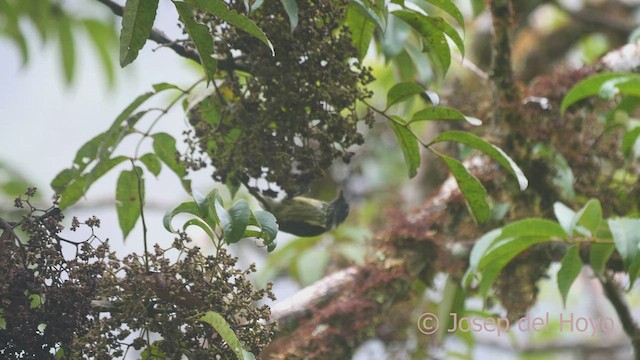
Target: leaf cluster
[54, 23]
[235, 223]
[497, 248]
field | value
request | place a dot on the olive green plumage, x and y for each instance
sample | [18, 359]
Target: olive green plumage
[305, 217]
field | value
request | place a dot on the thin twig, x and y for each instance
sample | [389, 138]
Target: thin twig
[144, 222]
[469, 65]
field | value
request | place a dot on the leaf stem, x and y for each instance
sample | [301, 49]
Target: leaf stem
[401, 123]
[163, 112]
[144, 223]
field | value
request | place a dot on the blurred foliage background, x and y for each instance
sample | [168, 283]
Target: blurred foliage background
[548, 35]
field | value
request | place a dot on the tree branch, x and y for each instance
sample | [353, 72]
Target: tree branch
[505, 93]
[160, 38]
[630, 327]
[289, 312]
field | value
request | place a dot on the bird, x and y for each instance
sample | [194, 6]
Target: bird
[306, 217]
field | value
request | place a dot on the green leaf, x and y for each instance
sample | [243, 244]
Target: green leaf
[222, 327]
[164, 145]
[103, 38]
[291, 7]
[629, 140]
[402, 92]
[634, 36]
[207, 206]
[478, 6]
[88, 152]
[12, 182]
[564, 215]
[452, 301]
[489, 149]
[11, 27]
[625, 85]
[267, 224]
[571, 265]
[435, 43]
[137, 22]
[64, 178]
[199, 34]
[234, 227]
[441, 113]
[626, 237]
[100, 147]
[361, 31]
[35, 301]
[588, 218]
[165, 86]
[256, 5]
[67, 48]
[592, 86]
[405, 66]
[381, 8]
[311, 265]
[272, 246]
[368, 12]
[3, 321]
[448, 30]
[450, 8]
[481, 247]
[500, 254]
[41, 14]
[153, 352]
[126, 113]
[421, 62]
[202, 225]
[527, 228]
[129, 199]
[152, 163]
[285, 256]
[78, 187]
[609, 88]
[534, 227]
[189, 207]
[395, 37]
[233, 186]
[220, 9]
[408, 144]
[586, 221]
[117, 133]
[474, 193]
[599, 255]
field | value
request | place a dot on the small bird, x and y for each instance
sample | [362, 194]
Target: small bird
[306, 217]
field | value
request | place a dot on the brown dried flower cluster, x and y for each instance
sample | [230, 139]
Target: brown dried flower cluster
[93, 304]
[292, 114]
